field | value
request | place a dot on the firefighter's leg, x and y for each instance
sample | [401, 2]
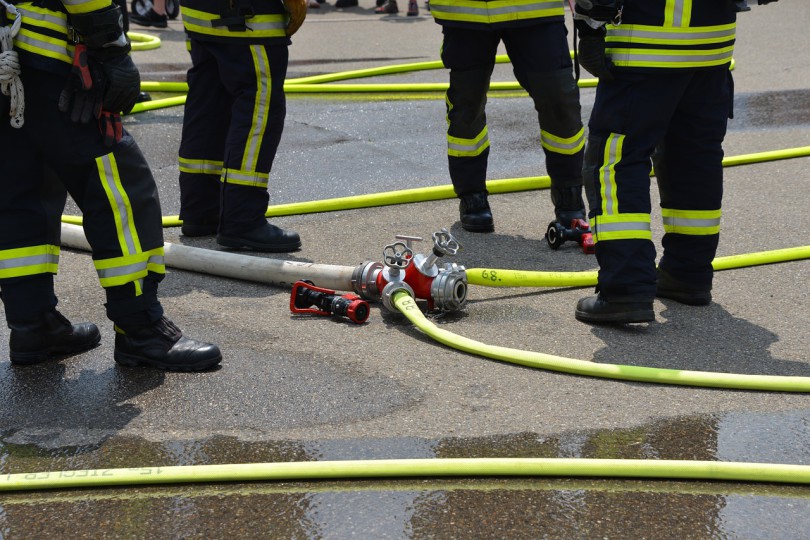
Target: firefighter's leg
[630, 116]
[122, 222]
[202, 145]
[689, 169]
[543, 67]
[470, 56]
[30, 207]
[254, 77]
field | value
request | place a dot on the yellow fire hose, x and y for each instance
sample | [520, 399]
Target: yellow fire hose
[405, 468]
[435, 193]
[499, 277]
[477, 467]
[775, 383]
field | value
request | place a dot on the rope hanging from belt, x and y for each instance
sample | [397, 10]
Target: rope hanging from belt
[10, 83]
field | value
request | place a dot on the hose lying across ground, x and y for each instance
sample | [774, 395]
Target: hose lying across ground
[408, 468]
[472, 467]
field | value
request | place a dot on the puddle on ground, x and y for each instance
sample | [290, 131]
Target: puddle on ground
[771, 109]
[427, 507]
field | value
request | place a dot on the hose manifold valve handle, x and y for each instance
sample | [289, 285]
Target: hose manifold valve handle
[397, 258]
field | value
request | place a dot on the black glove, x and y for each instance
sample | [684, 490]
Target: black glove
[82, 95]
[597, 10]
[591, 52]
[123, 83]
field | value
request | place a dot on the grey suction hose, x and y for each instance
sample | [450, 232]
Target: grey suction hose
[235, 265]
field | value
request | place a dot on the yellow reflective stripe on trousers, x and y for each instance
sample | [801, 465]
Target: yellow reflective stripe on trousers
[563, 145]
[199, 166]
[621, 227]
[29, 261]
[495, 11]
[607, 173]
[261, 108]
[458, 147]
[612, 225]
[693, 222]
[121, 210]
[258, 26]
[244, 178]
[130, 268]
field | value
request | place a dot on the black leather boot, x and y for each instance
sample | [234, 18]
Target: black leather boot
[474, 212]
[595, 309]
[163, 346]
[49, 336]
[266, 237]
[674, 289]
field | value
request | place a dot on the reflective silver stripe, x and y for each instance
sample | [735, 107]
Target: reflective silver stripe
[121, 208]
[469, 148]
[200, 166]
[49, 19]
[678, 12]
[563, 146]
[494, 11]
[653, 34]
[36, 43]
[257, 179]
[261, 64]
[606, 174]
[600, 227]
[691, 222]
[486, 10]
[123, 270]
[87, 3]
[660, 58]
[157, 260]
[30, 260]
[195, 21]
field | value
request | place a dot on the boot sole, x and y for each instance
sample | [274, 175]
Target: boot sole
[236, 243]
[131, 360]
[50, 353]
[627, 317]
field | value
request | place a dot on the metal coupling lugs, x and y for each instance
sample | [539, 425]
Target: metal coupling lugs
[389, 290]
[364, 280]
[449, 288]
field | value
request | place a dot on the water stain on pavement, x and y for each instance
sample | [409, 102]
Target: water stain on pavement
[428, 507]
[771, 109]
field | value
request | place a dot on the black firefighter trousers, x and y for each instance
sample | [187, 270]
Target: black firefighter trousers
[44, 160]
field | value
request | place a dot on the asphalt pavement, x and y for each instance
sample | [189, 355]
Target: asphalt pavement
[308, 388]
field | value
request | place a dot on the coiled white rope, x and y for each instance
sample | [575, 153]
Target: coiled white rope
[10, 83]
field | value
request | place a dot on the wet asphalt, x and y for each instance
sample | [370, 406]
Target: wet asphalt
[307, 388]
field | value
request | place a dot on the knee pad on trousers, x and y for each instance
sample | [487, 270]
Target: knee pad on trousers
[556, 99]
[466, 101]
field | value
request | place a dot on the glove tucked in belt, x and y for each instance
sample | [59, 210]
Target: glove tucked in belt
[104, 81]
[591, 51]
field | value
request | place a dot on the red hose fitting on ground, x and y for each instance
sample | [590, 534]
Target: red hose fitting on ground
[307, 298]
